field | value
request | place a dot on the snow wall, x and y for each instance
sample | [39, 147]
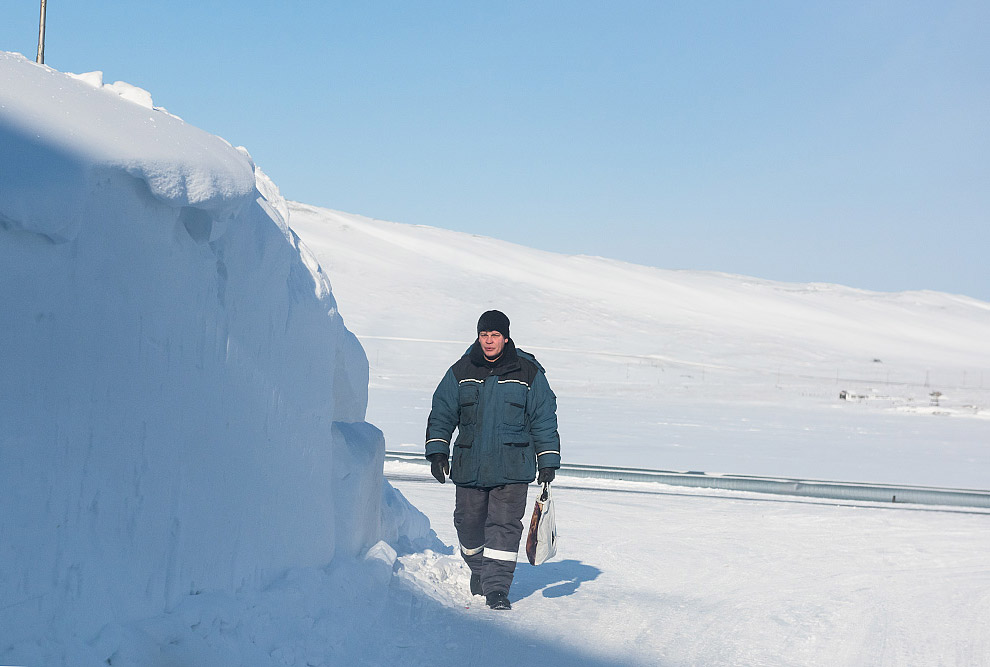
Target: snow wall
[181, 407]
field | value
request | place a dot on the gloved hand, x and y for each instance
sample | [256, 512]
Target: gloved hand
[439, 466]
[546, 475]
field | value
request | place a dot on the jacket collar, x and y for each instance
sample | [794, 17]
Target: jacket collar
[507, 362]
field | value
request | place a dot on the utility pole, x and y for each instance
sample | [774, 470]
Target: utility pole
[41, 35]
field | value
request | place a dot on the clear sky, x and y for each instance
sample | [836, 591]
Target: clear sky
[842, 142]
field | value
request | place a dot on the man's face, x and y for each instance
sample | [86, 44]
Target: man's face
[492, 343]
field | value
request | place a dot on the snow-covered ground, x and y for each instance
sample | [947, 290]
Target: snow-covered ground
[191, 462]
[648, 574]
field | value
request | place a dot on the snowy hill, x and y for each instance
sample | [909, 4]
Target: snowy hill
[181, 406]
[675, 369]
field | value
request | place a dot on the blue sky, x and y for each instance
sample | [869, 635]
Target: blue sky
[841, 142]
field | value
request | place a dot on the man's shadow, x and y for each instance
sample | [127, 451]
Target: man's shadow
[554, 578]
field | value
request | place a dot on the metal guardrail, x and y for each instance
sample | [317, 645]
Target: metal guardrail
[813, 488]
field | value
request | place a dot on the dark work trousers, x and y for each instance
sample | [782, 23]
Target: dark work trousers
[489, 526]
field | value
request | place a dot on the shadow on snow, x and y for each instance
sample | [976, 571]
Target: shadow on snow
[417, 630]
[555, 579]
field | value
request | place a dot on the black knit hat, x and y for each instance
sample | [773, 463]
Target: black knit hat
[494, 320]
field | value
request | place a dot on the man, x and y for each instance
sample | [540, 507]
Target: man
[498, 399]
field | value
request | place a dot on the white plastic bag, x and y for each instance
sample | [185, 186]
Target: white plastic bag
[541, 543]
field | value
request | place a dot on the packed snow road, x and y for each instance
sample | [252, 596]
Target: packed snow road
[647, 574]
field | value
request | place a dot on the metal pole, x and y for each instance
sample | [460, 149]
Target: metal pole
[41, 35]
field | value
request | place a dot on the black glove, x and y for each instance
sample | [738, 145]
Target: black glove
[439, 466]
[546, 475]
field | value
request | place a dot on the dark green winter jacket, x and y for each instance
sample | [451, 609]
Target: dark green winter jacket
[505, 415]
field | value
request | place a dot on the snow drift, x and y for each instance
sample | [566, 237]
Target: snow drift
[181, 407]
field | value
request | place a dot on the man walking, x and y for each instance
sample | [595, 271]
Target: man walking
[498, 399]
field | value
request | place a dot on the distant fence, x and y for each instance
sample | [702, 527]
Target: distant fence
[854, 491]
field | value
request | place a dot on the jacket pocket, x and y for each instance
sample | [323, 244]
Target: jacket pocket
[465, 438]
[518, 458]
[514, 405]
[467, 402]
[464, 466]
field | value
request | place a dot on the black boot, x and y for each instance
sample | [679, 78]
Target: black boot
[476, 584]
[498, 600]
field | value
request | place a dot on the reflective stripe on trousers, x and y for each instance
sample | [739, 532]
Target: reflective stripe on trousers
[489, 528]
